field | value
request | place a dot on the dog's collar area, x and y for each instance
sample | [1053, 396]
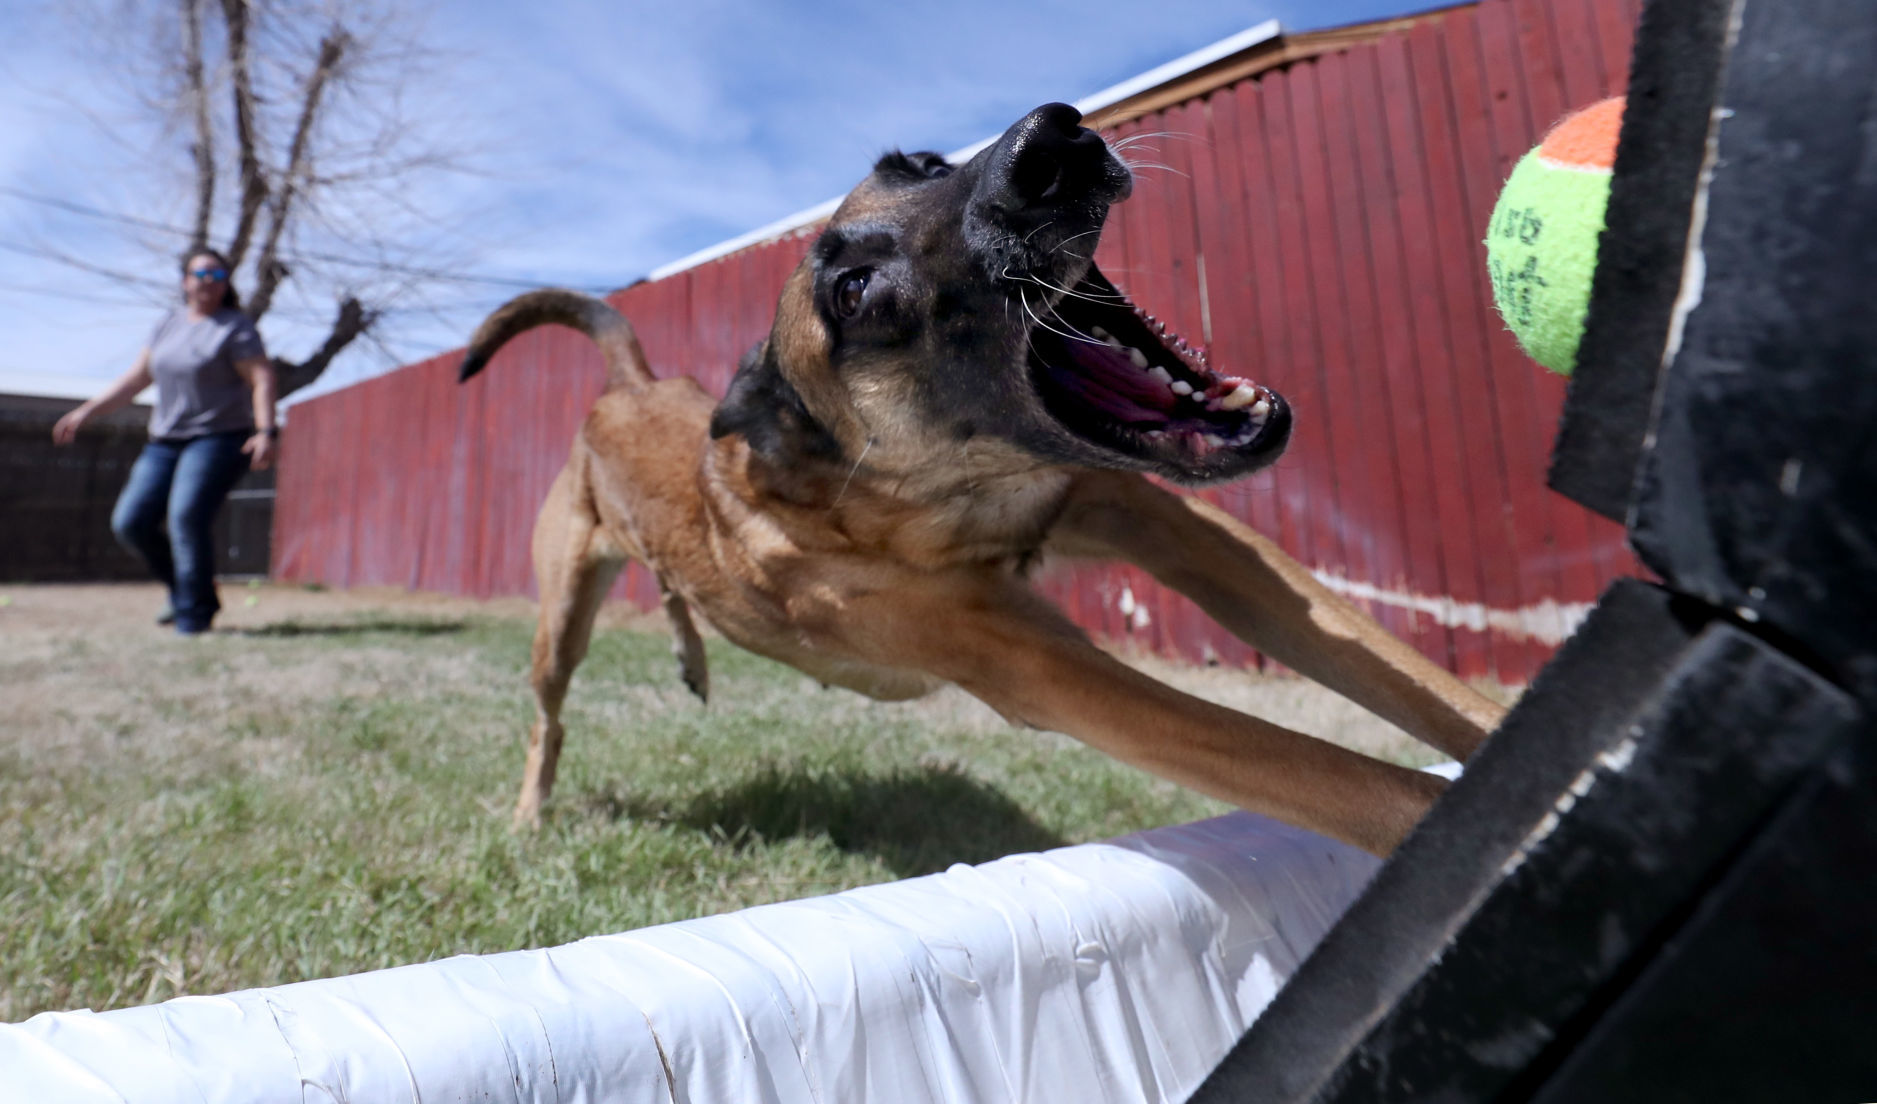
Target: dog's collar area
[1113, 376]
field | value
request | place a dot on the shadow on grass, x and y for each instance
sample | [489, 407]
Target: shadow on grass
[915, 821]
[405, 626]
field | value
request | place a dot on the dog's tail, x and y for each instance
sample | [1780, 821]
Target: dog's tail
[625, 360]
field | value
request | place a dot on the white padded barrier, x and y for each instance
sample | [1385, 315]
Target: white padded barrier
[1116, 971]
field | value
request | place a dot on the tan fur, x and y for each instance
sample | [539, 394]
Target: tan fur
[902, 568]
[897, 583]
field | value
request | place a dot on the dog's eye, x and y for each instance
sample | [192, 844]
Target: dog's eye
[850, 292]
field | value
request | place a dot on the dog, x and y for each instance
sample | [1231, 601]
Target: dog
[950, 392]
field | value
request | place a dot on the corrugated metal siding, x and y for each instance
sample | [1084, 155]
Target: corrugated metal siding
[1318, 228]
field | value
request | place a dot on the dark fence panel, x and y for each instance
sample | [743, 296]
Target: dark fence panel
[1316, 227]
[55, 503]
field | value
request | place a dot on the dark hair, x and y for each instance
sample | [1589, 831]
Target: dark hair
[230, 301]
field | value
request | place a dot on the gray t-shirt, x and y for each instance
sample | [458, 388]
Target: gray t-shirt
[198, 390]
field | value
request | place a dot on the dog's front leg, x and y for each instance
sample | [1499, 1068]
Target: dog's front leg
[1246, 583]
[1004, 644]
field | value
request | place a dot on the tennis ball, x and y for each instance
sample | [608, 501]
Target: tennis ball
[1541, 245]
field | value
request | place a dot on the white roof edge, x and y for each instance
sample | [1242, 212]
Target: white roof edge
[1178, 67]
[761, 234]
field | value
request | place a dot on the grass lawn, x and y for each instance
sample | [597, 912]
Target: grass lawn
[323, 786]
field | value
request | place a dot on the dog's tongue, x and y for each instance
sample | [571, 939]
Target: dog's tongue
[1110, 382]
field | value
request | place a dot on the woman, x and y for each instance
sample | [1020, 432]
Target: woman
[214, 409]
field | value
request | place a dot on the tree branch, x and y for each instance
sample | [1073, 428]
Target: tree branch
[253, 179]
[268, 269]
[204, 148]
[312, 169]
[353, 319]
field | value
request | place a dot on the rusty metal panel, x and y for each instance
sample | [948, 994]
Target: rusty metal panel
[1484, 65]
[1379, 459]
[296, 482]
[1310, 499]
[1506, 533]
[1411, 410]
[1315, 227]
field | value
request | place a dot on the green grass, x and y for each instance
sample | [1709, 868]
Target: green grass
[317, 797]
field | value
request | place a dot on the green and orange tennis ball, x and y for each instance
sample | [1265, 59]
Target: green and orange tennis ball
[1541, 246]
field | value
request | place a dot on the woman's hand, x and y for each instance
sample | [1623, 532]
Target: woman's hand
[260, 448]
[66, 428]
[115, 397]
[259, 372]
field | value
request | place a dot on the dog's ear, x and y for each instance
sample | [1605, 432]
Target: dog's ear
[768, 411]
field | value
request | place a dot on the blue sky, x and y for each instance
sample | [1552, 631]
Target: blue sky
[604, 139]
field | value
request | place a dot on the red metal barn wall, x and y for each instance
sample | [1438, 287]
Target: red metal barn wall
[1317, 227]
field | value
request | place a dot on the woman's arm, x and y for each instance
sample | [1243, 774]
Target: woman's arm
[114, 397]
[259, 372]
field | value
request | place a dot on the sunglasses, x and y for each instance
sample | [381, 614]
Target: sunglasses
[209, 273]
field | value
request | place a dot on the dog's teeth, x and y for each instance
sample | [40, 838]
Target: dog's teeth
[1261, 408]
[1139, 358]
[1214, 440]
[1181, 387]
[1241, 396]
[1160, 374]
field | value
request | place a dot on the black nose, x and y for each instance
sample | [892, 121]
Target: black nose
[1049, 161]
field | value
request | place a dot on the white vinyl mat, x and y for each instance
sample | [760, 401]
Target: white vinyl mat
[1115, 971]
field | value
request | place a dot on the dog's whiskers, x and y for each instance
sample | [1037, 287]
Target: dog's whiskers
[1132, 140]
[1138, 166]
[1105, 300]
[1072, 237]
[1120, 149]
[1070, 333]
[1117, 299]
[1061, 245]
[1057, 315]
[851, 472]
[1033, 278]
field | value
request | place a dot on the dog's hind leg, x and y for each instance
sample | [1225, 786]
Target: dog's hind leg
[574, 566]
[685, 643]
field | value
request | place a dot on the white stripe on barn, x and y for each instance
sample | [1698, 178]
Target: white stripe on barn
[1548, 622]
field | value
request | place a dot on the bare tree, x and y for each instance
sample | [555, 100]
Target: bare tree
[306, 109]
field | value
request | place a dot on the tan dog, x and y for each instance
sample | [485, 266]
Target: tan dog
[950, 390]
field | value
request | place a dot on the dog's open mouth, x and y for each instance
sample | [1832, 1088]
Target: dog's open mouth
[1116, 379]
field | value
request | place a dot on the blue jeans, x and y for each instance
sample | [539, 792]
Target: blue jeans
[184, 484]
